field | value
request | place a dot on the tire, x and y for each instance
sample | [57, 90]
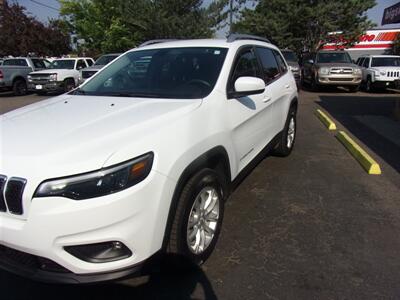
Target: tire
[354, 89]
[207, 183]
[19, 87]
[314, 85]
[69, 84]
[288, 137]
[368, 85]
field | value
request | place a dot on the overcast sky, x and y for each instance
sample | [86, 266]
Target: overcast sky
[43, 13]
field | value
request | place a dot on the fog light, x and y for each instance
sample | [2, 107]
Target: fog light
[100, 252]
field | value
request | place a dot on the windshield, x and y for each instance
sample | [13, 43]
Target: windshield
[63, 64]
[105, 59]
[183, 73]
[290, 56]
[334, 57]
[385, 62]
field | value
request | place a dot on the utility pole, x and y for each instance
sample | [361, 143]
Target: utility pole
[230, 15]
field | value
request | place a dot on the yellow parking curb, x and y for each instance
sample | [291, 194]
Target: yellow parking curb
[368, 163]
[326, 120]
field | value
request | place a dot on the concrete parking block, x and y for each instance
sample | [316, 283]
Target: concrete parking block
[325, 120]
[368, 163]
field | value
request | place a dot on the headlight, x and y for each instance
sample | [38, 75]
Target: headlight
[357, 71]
[293, 68]
[98, 183]
[53, 77]
[383, 73]
[29, 78]
[323, 71]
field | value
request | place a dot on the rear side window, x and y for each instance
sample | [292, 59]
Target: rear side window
[281, 62]
[89, 62]
[246, 65]
[269, 64]
[15, 62]
[38, 63]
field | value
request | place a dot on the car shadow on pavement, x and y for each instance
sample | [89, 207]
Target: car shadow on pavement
[371, 120]
[189, 283]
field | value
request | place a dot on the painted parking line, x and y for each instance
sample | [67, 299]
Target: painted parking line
[325, 120]
[365, 160]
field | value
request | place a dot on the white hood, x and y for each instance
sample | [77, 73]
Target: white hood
[73, 134]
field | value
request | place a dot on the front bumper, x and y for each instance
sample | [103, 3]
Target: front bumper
[339, 79]
[44, 270]
[50, 86]
[136, 217]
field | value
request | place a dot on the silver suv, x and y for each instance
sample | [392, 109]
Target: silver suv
[331, 68]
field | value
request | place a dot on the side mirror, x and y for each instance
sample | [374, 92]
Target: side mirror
[245, 86]
[310, 61]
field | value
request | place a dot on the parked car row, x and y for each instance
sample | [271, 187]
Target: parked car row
[336, 68]
[23, 74]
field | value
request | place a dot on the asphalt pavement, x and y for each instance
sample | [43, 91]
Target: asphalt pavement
[314, 225]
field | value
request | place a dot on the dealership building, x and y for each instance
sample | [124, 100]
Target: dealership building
[374, 41]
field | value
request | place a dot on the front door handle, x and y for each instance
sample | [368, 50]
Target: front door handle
[266, 99]
[287, 86]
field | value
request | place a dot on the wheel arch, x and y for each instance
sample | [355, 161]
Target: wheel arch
[217, 159]
[18, 77]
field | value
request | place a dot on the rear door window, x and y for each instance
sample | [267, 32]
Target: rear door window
[89, 62]
[270, 67]
[280, 61]
[81, 64]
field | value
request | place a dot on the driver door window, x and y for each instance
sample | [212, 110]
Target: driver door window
[81, 64]
[246, 65]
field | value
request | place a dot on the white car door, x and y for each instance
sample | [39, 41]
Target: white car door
[365, 67]
[280, 85]
[249, 116]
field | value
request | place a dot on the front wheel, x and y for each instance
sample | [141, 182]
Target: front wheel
[288, 137]
[69, 85]
[368, 85]
[354, 89]
[198, 218]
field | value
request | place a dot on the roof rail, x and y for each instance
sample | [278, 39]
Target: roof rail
[151, 42]
[238, 36]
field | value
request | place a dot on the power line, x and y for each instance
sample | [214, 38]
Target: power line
[45, 5]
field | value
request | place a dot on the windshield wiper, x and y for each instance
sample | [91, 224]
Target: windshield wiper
[127, 94]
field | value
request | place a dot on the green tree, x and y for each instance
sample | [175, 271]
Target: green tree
[117, 25]
[299, 24]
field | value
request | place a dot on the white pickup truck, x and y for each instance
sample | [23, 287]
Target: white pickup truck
[379, 71]
[62, 76]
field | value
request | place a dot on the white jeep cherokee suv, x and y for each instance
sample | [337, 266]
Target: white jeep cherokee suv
[379, 71]
[140, 159]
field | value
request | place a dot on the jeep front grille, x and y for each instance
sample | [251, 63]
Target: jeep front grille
[393, 74]
[11, 194]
